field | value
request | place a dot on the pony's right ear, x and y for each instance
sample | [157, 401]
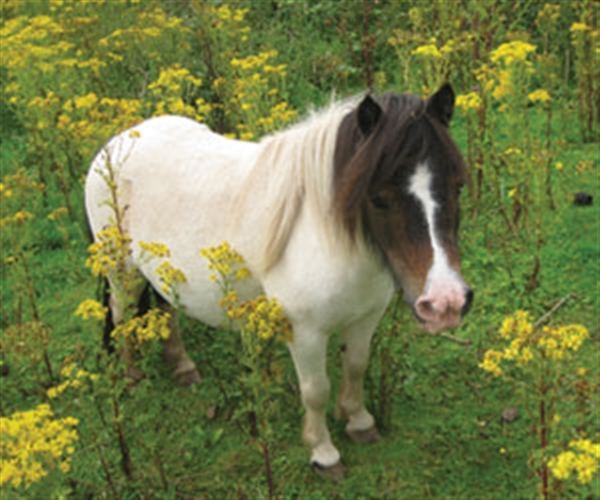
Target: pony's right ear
[369, 113]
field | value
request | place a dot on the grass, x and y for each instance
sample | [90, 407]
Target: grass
[442, 431]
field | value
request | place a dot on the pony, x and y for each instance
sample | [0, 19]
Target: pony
[331, 216]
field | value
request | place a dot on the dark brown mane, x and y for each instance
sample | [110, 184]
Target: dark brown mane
[403, 136]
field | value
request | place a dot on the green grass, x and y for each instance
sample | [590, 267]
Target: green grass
[442, 434]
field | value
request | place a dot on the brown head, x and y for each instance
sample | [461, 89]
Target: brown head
[397, 180]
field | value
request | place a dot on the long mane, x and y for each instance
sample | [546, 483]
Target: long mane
[292, 171]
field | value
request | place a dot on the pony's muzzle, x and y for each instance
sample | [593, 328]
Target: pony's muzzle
[439, 313]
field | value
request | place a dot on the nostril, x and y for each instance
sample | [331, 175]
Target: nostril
[424, 310]
[468, 302]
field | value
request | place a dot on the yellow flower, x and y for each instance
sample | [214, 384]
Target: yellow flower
[539, 95]
[429, 50]
[586, 466]
[556, 342]
[74, 378]
[151, 326]
[109, 252]
[587, 446]
[57, 214]
[266, 319]
[562, 465]
[169, 276]
[517, 326]
[511, 52]
[91, 309]
[33, 442]
[504, 85]
[579, 27]
[226, 262]
[583, 459]
[5, 192]
[22, 216]
[87, 101]
[491, 362]
[471, 101]
[155, 249]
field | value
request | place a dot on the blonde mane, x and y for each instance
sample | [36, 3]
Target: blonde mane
[293, 169]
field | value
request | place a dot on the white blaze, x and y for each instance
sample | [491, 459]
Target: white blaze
[441, 280]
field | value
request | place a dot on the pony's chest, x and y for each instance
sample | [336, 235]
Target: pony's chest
[327, 288]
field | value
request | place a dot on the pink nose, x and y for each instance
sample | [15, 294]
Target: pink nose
[440, 312]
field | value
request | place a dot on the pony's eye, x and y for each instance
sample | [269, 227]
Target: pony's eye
[379, 202]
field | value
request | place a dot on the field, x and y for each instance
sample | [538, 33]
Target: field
[506, 406]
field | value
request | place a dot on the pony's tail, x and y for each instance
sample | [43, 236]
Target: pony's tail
[103, 292]
[109, 324]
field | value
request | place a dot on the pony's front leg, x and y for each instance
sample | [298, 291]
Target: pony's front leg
[309, 354]
[355, 358]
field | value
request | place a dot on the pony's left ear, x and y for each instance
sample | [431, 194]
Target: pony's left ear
[369, 113]
[441, 104]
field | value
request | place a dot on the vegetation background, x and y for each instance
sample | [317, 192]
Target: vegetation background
[506, 407]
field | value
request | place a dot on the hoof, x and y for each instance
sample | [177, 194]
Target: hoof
[335, 472]
[366, 436]
[188, 377]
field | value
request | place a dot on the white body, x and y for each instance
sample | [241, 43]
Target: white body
[184, 186]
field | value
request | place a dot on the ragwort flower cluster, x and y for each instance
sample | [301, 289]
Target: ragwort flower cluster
[154, 325]
[261, 316]
[582, 460]
[34, 442]
[527, 343]
[169, 276]
[91, 309]
[227, 265]
[109, 252]
[74, 378]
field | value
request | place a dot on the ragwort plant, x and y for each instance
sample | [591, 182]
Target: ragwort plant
[133, 334]
[537, 360]
[261, 322]
[250, 88]
[26, 334]
[585, 39]
[518, 171]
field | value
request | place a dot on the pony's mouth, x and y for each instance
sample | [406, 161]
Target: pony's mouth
[443, 322]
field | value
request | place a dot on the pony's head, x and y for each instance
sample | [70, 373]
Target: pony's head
[397, 180]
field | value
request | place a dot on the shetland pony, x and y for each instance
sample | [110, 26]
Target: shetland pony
[331, 216]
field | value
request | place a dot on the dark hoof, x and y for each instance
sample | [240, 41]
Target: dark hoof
[188, 377]
[335, 472]
[370, 435]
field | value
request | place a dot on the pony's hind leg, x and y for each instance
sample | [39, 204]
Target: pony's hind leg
[118, 313]
[184, 369]
[355, 357]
